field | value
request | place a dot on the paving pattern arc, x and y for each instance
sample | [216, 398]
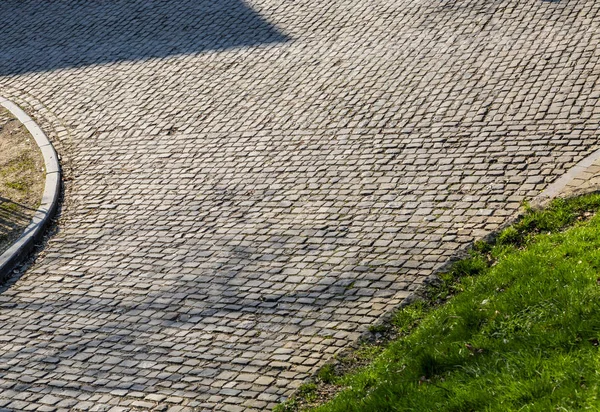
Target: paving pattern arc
[250, 184]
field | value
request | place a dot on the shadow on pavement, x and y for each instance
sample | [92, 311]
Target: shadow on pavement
[44, 36]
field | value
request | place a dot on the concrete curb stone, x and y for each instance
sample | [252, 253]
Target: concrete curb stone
[49, 203]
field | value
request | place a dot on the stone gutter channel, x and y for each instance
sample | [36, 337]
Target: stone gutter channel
[49, 203]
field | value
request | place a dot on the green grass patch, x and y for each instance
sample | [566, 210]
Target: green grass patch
[326, 374]
[513, 327]
[18, 185]
[8, 207]
[21, 164]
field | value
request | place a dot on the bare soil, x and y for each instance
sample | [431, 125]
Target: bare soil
[22, 178]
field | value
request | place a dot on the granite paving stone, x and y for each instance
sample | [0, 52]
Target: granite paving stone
[249, 185]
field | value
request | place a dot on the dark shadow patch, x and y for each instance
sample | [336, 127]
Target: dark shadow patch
[44, 36]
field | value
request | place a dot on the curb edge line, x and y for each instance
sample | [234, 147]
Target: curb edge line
[50, 197]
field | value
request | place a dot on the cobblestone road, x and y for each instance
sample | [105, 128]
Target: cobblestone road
[250, 184]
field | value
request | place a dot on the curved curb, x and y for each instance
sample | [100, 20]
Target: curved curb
[49, 204]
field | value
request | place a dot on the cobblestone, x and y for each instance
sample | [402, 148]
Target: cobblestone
[250, 185]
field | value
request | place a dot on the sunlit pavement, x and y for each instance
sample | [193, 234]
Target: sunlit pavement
[251, 184]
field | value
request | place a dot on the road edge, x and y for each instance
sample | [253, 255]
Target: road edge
[12, 257]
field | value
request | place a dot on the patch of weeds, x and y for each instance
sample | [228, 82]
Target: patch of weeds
[291, 405]
[379, 329]
[510, 236]
[20, 186]
[327, 373]
[481, 246]
[308, 391]
[304, 395]
[9, 207]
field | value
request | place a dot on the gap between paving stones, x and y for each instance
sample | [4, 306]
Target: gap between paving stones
[49, 202]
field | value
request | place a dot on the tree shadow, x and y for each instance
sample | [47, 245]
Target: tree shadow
[12, 214]
[14, 218]
[56, 34]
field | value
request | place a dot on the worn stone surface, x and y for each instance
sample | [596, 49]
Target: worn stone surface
[251, 184]
[586, 181]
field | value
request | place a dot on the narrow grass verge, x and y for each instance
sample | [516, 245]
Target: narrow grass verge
[22, 178]
[513, 327]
